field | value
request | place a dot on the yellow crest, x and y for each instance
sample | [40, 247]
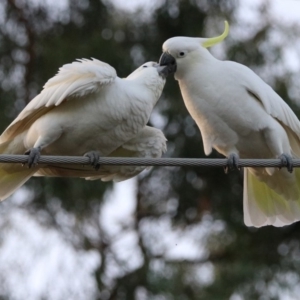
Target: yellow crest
[215, 40]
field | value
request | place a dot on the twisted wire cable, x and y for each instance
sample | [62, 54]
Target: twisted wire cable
[137, 161]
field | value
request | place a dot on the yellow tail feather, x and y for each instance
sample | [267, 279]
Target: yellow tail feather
[12, 176]
[263, 206]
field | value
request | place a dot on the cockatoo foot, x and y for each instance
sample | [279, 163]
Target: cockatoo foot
[94, 159]
[287, 161]
[34, 155]
[232, 163]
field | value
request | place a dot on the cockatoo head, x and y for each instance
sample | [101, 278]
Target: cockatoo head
[151, 68]
[183, 52]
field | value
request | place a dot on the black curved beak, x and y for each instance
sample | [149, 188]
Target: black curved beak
[168, 60]
[162, 70]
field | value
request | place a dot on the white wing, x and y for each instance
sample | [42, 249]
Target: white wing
[271, 101]
[73, 80]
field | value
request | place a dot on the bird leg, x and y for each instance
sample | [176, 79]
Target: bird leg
[232, 163]
[33, 156]
[286, 161]
[94, 159]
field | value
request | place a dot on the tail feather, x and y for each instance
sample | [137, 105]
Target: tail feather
[12, 176]
[105, 173]
[264, 206]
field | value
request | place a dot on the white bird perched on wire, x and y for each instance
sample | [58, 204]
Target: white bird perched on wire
[86, 110]
[239, 115]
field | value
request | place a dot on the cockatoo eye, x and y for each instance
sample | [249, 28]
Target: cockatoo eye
[145, 66]
[181, 54]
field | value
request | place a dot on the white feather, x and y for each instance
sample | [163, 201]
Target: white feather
[237, 112]
[85, 107]
[149, 142]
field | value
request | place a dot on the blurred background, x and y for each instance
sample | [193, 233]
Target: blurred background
[170, 233]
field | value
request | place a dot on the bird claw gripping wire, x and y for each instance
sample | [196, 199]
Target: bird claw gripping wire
[34, 155]
[94, 159]
[286, 161]
[232, 163]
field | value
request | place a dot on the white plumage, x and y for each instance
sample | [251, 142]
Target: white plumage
[238, 113]
[84, 108]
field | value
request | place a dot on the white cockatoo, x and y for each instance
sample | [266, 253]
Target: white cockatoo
[86, 110]
[240, 115]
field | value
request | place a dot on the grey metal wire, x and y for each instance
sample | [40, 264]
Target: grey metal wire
[180, 162]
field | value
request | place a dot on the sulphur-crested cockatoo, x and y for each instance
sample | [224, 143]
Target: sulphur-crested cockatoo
[86, 110]
[240, 115]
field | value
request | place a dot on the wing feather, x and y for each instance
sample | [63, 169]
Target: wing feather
[273, 104]
[271, 101]
[77, 79]
[279, 109]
